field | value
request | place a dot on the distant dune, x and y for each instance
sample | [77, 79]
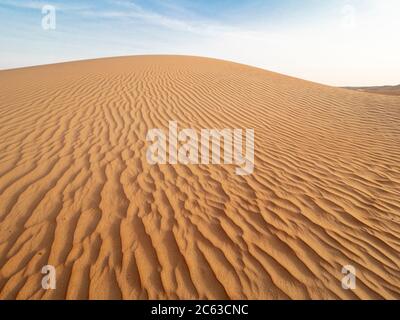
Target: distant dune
[387, 90]
[77, 192]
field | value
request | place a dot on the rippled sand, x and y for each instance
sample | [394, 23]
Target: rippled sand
[77, 192]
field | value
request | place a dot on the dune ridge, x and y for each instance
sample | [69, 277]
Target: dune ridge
[77, 192]
[386, 90]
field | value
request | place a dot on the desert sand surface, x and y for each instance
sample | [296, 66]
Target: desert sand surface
[77, 192]
[387, 90]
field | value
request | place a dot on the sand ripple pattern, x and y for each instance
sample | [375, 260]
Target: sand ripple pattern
[76, 191]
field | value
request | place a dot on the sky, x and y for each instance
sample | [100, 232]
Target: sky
[335, 42]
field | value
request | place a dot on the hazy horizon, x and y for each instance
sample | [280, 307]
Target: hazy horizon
[340, 42]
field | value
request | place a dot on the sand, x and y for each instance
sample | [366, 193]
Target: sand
[76, 191]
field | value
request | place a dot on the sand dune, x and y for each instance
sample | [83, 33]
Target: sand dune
[386, 90]
[77, 192]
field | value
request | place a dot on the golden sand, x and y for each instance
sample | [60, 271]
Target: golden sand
[77, 192]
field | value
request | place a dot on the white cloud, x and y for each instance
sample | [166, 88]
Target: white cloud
[38, 5]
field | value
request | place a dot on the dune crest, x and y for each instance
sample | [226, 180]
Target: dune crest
[386, 90]
[76, 191]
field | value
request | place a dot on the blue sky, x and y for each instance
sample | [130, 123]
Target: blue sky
[337, 42]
